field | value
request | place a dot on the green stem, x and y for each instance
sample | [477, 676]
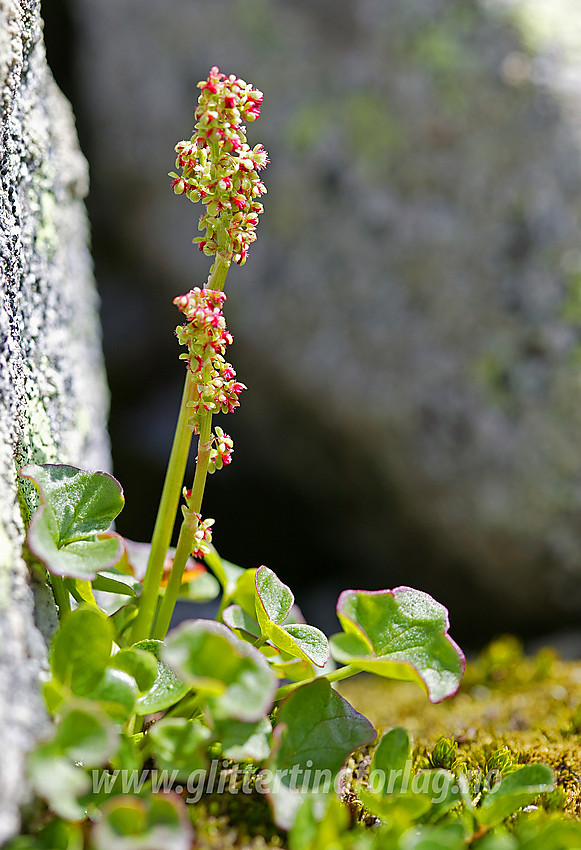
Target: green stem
[61, 595]
[334, 676]
[218, 272]
[187, 706]
[187, 531]
[135, 724]
[166, 513]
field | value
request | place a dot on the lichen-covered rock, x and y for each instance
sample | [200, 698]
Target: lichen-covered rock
[53, 396]
[411, 307]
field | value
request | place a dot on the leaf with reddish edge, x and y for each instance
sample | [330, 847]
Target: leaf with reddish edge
[83, 503]
[75, 506]
[275, 597]
[399, 634]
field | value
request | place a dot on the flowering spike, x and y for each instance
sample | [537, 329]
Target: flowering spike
[207, 338]
[220, 169]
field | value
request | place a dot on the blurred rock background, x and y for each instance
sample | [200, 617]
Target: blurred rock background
[408, 321]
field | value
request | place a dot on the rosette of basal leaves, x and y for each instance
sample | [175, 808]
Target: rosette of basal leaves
[399, 634]
[76, 507]
[272, 604]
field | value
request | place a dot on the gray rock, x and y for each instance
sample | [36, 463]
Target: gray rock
[411, 309]
[53, 396]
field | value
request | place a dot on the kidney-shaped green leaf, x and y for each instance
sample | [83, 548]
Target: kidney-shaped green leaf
[399, 634]
[230, 672]
[76, 506]
[81, 649]
[116, 693]
[241, 740]
[389, 761]
[86, 735]
[316, 730]
[515, 790]
[82, 503]
[179, 744]
[275, 598]
[320, 727]
[167, 688]
[274, 601]
[136, 823]
[138, 663]
[82, 559]
[237, 619]
[59, 782]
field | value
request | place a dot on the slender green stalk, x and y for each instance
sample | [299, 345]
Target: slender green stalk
[334, 676]
[166, 513]
[61, 595]
[187, 531]
[216, 280]
[218, 273]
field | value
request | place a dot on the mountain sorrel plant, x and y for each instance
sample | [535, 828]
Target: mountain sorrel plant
[255, 685]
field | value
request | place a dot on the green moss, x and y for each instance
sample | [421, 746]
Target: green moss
[527, 707]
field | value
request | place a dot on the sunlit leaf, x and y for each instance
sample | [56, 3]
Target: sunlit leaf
[139, 663]
[316, 731]
[82, 503]
[399, 634]
[81, 649]
[75, 506]
[116, 692]
[231, 673]
[275, 597]
[59, 782]
[236, 618]
[274, 601]
[167, 688]
[86, 735]
[515, 790]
